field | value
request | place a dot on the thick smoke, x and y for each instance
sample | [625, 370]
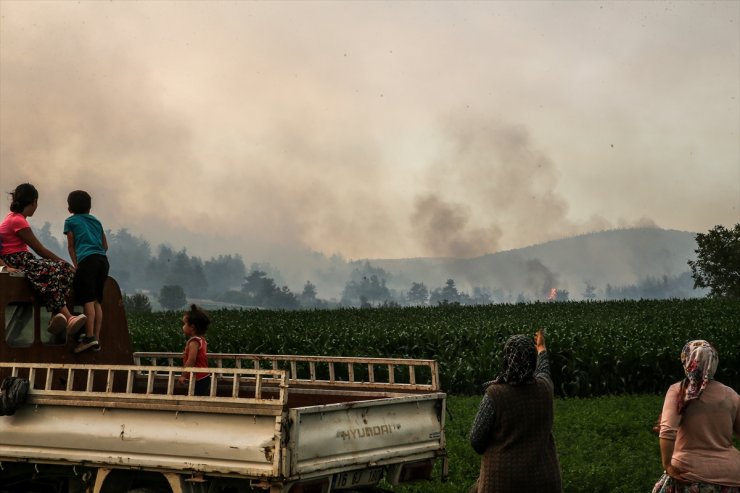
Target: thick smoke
[85, 110]
[86, 125]
[443, 229]
[70, 120]
[82, 112]
[540, 279]
[491, 184]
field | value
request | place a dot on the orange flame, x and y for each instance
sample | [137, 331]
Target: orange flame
[553, 294]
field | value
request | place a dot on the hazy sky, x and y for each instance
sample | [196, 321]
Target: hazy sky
[374, 129]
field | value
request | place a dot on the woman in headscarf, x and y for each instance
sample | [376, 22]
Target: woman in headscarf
[513, 427]
[699, 418]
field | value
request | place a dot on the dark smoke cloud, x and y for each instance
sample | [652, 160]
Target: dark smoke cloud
[540, 279]
[492, 184]
[443, 229]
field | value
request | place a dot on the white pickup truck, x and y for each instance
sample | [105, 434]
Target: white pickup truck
[277, 423]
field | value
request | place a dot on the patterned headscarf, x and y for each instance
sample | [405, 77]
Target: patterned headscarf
[700, 361]
[519, 361]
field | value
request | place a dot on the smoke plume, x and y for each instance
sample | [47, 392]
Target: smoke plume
[540, 279]
[491, 184]
[220, 135]
[443, 229]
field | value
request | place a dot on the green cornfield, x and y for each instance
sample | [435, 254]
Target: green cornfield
[596, 348]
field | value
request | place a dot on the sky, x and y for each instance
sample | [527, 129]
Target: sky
[373, 129]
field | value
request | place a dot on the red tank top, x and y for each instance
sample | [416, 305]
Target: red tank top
[201, 360]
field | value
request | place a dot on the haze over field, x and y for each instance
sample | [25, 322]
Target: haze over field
[373, 129]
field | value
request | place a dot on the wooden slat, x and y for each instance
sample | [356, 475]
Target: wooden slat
[150, 382]
[214, 386]
[191, 384]
[258, 387]
[161, 396]
[109, 381]
[170, 383]
[289, 362]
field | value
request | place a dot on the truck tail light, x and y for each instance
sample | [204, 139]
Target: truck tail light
[313, 486]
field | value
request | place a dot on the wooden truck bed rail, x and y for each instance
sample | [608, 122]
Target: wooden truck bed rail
[386, 374]
[136, 386]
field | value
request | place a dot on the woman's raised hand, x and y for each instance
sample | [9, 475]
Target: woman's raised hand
[539, 341]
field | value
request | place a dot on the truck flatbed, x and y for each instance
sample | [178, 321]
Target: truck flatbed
[278, 423]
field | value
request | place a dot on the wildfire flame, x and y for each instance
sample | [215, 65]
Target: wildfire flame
[553, 294]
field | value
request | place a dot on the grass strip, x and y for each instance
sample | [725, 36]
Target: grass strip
[605, 444]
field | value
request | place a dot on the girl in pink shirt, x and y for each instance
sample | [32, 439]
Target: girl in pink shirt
[50, 276]
[700, 416]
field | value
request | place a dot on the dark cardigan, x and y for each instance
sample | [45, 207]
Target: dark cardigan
[514, 432]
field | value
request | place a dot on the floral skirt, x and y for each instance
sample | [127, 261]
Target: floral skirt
[667, 484]
[51, 279]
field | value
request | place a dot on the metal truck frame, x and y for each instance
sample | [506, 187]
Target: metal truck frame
[277, 423]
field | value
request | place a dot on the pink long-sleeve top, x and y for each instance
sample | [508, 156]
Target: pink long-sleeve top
[703, 434]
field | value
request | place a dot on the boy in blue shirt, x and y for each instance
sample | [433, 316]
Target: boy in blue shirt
[87, 246]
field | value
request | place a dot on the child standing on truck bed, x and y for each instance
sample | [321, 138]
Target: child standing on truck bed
[195, 323]
[87, 246]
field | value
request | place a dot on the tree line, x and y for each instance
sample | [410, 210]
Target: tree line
[172, 276]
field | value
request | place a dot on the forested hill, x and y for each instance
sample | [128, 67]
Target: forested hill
[617, 257]
[616, 264]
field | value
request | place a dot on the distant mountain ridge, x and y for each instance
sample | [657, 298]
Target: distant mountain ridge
[615, 257]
